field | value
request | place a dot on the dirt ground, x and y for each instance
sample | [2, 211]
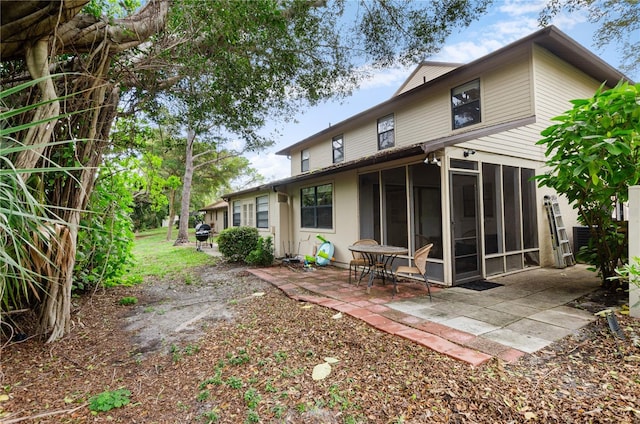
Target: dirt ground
[227, 347]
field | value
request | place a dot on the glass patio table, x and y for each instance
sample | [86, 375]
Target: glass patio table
[379, 258]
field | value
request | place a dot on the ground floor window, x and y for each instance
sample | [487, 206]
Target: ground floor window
[317, 206]
[247, 214]
[262, 212]
[236, 213]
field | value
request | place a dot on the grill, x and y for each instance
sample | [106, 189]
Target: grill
[203, 235]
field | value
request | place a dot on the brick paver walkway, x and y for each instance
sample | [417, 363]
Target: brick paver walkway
[329, 287]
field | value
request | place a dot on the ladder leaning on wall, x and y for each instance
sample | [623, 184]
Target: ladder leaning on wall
[559, 238]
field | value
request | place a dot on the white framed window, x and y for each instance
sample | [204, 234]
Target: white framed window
[262, 211]
[236, 213]
[247, 214]
[337, 144]
[386, 136]
[465, 104]
[304, 160]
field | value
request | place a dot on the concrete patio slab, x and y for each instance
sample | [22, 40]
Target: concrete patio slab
[519, 341]
[514, 307]
[525, 314]
[433, 315]
[561, 318]
[470, 325]
[491, 316]
[539, 329]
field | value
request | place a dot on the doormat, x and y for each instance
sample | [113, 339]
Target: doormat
[479, 285]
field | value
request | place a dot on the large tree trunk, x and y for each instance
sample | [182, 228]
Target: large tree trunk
[38, 31]
[37, 58]
[172, 212]
[183, 229]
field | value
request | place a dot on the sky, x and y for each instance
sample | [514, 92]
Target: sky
[505, 22]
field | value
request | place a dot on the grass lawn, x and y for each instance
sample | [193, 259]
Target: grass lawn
[155, 256]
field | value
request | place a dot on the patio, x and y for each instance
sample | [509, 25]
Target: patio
[525, 313]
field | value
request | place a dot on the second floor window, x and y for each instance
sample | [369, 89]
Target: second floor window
[304, 160]
[317, 206]
[262, 211]
[386, 137]
[337, 144]
[465, 104]
[236, 213]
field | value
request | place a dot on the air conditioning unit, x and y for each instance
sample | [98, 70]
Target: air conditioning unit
[581, 238]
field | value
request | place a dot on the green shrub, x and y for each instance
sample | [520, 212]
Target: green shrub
[105, 236]
[236, 243]
[262, 255]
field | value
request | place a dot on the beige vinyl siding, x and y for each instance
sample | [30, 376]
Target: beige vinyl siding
[425, 120]
[518, 143]
[360, 142]
[295, 163]
[320, 156]
[557, 83]
[506, 94]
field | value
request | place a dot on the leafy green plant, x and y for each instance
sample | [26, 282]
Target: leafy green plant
[234, 382]
[203, 395]
[278, 410]
[252, 398]
[105, 236]
[280, 356]
[263, 254]
[593, 154]
[236, 243]
[128, 300]
[211, 416]
[109, 400]
[215, 380]
[242, 357]
[629, 272]
[252, 416]
[24, 221]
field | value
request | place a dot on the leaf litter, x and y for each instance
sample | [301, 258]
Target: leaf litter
[253, 358]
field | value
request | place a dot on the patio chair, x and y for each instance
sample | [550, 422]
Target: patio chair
[420, 268]
[359, 261]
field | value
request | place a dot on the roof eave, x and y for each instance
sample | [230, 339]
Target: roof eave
[549, 38]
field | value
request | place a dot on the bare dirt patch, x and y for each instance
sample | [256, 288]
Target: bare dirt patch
[170, 312]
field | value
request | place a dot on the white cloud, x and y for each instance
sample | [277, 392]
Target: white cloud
[235, 144]
[566, 22]
[464, 51]
[271, 166]
[522, 7]
[514, 29]
[484, 39]
[392, 77]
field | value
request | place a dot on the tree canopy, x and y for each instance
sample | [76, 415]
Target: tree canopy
[243, 60]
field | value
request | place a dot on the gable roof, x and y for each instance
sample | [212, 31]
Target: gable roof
[220, 204]
[550, 38]
[424, 72]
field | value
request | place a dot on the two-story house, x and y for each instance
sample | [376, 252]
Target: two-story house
[449, 160]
